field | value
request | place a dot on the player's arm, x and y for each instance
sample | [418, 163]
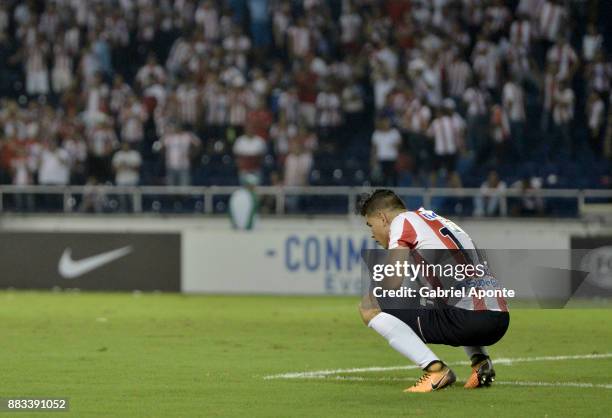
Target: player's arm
[393, 257]
[369, 306]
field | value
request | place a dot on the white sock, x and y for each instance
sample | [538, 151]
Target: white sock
[471, 350]
[403, 339]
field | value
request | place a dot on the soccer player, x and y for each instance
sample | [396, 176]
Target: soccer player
[472, 323]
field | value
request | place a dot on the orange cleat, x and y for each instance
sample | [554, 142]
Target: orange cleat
[482, 375]
[434, 380]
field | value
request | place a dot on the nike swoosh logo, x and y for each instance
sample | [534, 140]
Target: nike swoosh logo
[434, 386]
[70, 269]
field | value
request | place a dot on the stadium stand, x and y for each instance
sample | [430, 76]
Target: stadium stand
[490, 94]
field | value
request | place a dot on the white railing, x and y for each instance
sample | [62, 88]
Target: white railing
[207, 194]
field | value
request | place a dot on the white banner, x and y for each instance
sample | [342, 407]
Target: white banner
[273, 261]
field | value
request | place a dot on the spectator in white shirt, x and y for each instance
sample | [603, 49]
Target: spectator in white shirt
[491, 192]
[476, 99]
[599, 74]
[132, 118]
[386, 142]
[447, 138]
[296, 171]
[54, 170]
[513, 101]
[280, 135]
[328, 116]
[459, 73]
[596, 117]
[54, 166]
[179, 146]
[563, 115]
[591, 43]
[102, 142]
[563, 57]
[22, 174]
[36, 68]
[552, 17]
[150, 74]
[350, 26]
[521, 31]
[208, 17]
[249, 150]
[297, 164]
[126, 165]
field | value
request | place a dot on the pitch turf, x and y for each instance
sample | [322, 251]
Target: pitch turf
[155, 355]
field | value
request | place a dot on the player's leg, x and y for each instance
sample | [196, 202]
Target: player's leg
[471, 329]
[483, 373]
[404, 339]
[483, 329]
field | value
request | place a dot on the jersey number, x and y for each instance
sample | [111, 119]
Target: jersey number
[447, 233]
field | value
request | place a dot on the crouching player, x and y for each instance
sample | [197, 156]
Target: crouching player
[472, 323]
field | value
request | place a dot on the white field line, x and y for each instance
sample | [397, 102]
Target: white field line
[556, 384]
[321, 374]
[497, 382]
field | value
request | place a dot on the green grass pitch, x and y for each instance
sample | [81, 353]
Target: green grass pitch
[157, 355]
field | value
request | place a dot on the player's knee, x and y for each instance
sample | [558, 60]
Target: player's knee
[367, 314]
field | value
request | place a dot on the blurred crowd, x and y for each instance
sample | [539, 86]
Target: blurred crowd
[442, 93]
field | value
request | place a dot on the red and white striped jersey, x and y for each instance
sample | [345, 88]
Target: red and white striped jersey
[520, 33]
[458, 76]
[562, 57]
[188, 100]
[216, 103]
[238, 103]
[425, 230]
[551, 18]
[446, 134]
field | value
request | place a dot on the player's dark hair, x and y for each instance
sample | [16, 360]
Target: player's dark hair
[381, 199]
